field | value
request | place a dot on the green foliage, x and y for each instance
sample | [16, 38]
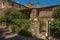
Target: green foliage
[15, 19]
[25, 33]
[15, 28]
[55, 27]
[6, 17]
[55, 24]
[19, 23]
[56, 12]
[41, 21]
[2, 19]
[27, 24]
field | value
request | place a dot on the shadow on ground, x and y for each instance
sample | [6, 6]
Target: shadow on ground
[1, 33]
[22, 38]
[18, 37]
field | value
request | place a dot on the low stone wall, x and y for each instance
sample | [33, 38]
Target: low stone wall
[34, 28]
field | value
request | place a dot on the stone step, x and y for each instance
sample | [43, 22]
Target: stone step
[7, 33]
[10, 36]
[3, 29]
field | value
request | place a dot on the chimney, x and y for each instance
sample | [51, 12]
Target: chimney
[17, 1]
[32, 4]
[38, 5]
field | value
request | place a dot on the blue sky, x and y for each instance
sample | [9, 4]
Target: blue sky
[42, 2]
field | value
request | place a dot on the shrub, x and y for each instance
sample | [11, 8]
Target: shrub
[56, 12]
[25, 33]
[55, 24]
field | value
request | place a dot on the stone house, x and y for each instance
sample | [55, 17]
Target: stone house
[9, 3]
[44, 12]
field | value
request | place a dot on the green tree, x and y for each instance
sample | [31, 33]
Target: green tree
[56, 12]
[15, 19]
[6, 17]
[55, 24]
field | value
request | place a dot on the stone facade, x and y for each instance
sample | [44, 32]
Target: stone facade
[30, 5]
[34, 28]
[9, 4]
[44, 12]
[33, 14]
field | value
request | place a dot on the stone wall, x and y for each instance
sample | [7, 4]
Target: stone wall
[33, 13]
[9, 4]
[30, 5]
[34, 28]
[45, 12]
[46, 15]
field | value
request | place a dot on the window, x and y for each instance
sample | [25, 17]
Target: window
[28, 14]
[37, 13]
[3, 3]
[12, 4]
